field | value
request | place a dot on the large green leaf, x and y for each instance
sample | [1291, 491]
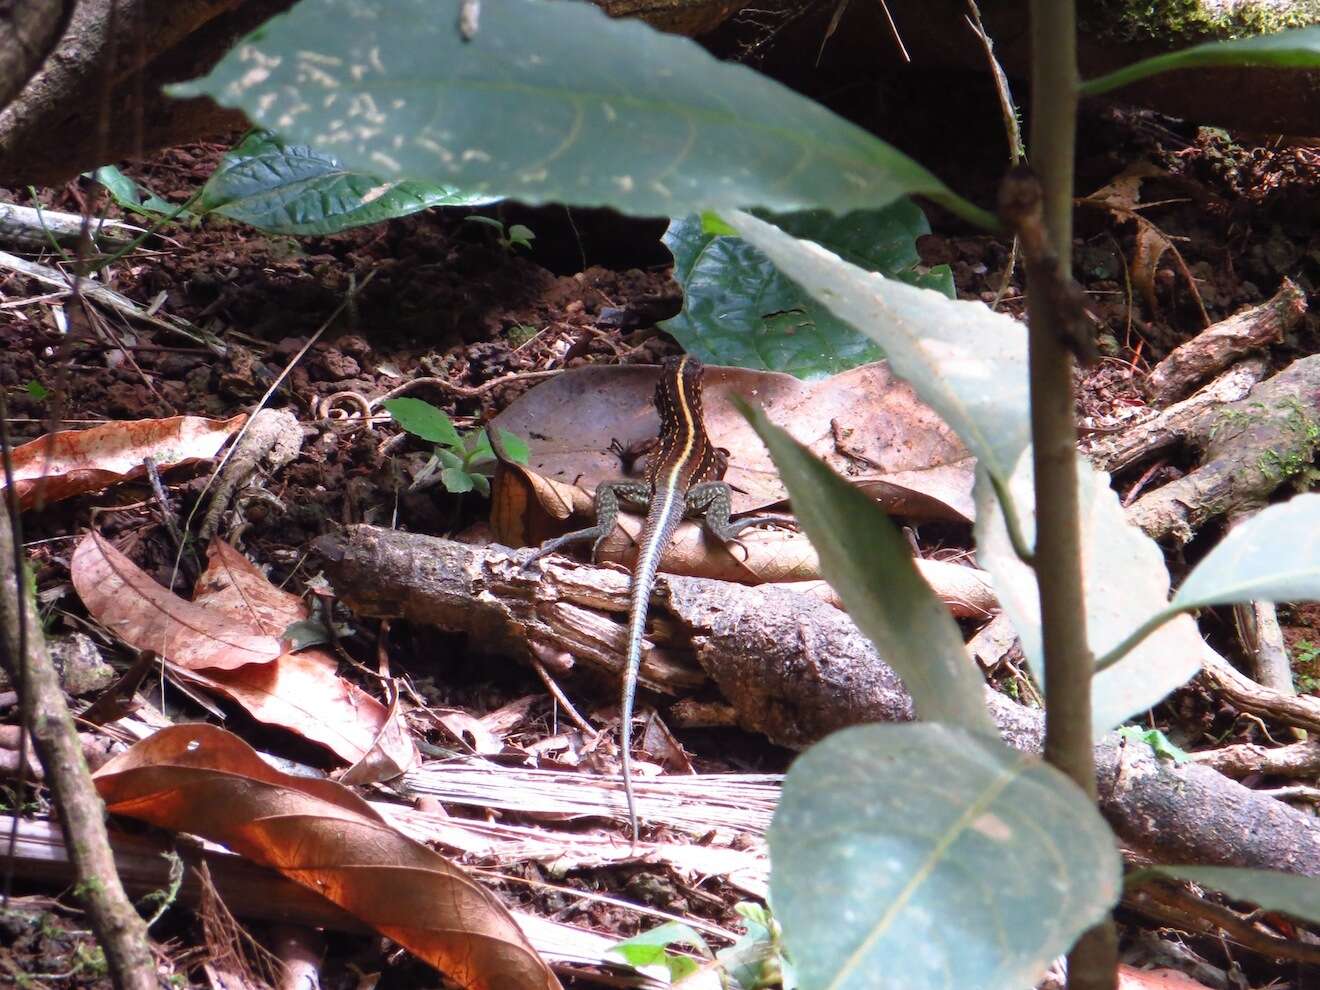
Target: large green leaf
[1269, 890]
[964, 360]
[1125, 581]
[738, 309]
[553, 101]
[925, 856]
[1298, 49]
[1274, 557]
[293, 189]
[868, 563]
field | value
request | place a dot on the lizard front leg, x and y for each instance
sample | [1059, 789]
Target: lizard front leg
[606, 502]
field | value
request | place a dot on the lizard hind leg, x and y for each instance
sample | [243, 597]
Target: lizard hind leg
[713, 500]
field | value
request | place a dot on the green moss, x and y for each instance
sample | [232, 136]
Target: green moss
[1180, 22]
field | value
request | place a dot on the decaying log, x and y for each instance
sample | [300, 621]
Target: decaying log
[1250, 448]
[1169, 427]
[796, 669]
[1215, 348]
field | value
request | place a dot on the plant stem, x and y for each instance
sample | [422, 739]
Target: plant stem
[1092, 964]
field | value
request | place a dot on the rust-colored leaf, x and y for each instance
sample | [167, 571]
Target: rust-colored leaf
[125, 600]
[73, 462]
[203, 780]
[228, 639]
[300, 691]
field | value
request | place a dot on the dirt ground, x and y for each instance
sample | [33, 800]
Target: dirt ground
[445, 299]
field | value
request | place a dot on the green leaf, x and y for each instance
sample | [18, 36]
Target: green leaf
[1298, 49]
[1125, 580]
[922, 855]
[755, 960]
[284, 188]
[305, 633]
[965, 361]
[521, 235]
[650, 950]
[868, 563]
[1270, 890]
[424, 420]
[1274, 556]
[447, 458]
[128, 195]
[121, 188]
[457, 480]
[486, 221]
[739, 310]
[515, 447]
[37, 390]
[1157, 741]
[554, 102]
[481, 484]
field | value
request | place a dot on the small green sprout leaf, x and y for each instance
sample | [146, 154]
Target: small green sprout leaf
[424, 420]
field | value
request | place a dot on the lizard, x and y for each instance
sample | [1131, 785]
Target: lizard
[683, 478]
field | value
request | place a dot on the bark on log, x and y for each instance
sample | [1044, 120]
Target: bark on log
[96, 98]
[1251, 448]
[1215, 348]
[796, 669]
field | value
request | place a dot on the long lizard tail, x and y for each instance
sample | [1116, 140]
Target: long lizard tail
[666, 512]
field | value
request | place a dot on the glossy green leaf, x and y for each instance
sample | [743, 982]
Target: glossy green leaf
[1270, 890]
[925, 856]
[286, 188]
[1298, 49]
[965, 361]
[424, 420]
[738, 309]
[869, 565]
[1274, 556]
[590, 110]
[1126, 582]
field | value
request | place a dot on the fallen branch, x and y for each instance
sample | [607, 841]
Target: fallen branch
[1215, 348]
[1251, 448]
[793, 668]
[1169, 427]
[119, 928]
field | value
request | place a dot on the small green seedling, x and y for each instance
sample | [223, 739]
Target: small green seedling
[754, 962]
[651, 953]
[1305, 653]
[1157, 741]
[129, 195]
[458, 458]
[508, 238]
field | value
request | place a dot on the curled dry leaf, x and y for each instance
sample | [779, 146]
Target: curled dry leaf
[72, 462]
[228, 639]
[200, 779]
[865, 423]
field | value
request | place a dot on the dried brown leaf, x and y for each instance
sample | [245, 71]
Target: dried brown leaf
[73, 462]
[229, 640]
[865, 423]
[146, 616]
[200, 779]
